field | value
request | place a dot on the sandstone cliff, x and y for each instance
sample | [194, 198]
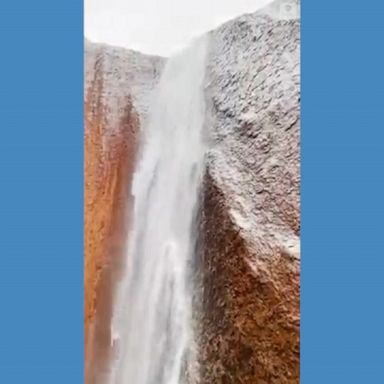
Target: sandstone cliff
[118, 86]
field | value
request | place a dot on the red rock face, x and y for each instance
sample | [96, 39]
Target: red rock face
[108, 169]
[118, 83]
[249, 322]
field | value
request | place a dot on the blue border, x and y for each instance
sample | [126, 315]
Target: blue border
[41, 192]
[41, 199]
[342, 293]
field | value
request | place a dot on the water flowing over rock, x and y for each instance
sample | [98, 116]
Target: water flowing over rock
[210, 291]
[152, 323]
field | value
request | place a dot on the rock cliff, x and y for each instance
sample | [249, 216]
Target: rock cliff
[248, 304]
[250, 221]
[117, 90]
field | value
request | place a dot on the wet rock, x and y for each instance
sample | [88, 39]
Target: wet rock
[117, 86]
[249, 247]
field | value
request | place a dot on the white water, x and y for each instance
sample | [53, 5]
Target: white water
[152, 315]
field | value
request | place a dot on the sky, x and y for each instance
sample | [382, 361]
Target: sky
[158, 26]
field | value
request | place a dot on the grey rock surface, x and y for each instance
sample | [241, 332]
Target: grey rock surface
[253, 90]
[126, 73]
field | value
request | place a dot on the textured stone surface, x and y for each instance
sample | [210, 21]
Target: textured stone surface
[125, 72]
[250, 222]
[249, 326]
[253, 87]
[118, 84]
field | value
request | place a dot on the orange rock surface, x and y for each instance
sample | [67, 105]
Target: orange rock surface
[249, 319]
[108, 167]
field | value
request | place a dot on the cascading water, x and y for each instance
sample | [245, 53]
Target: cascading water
[153, 310]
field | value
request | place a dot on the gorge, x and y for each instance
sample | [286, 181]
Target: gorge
[192, 208]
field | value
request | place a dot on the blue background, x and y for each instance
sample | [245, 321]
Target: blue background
[342, 204]
[41, 192]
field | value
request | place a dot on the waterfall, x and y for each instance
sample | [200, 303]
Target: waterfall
[152, 319]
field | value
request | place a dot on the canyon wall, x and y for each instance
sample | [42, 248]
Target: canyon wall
[117, 90]
[248, 259]
[250, 220]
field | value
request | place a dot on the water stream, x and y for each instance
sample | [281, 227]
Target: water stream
[152, 319]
